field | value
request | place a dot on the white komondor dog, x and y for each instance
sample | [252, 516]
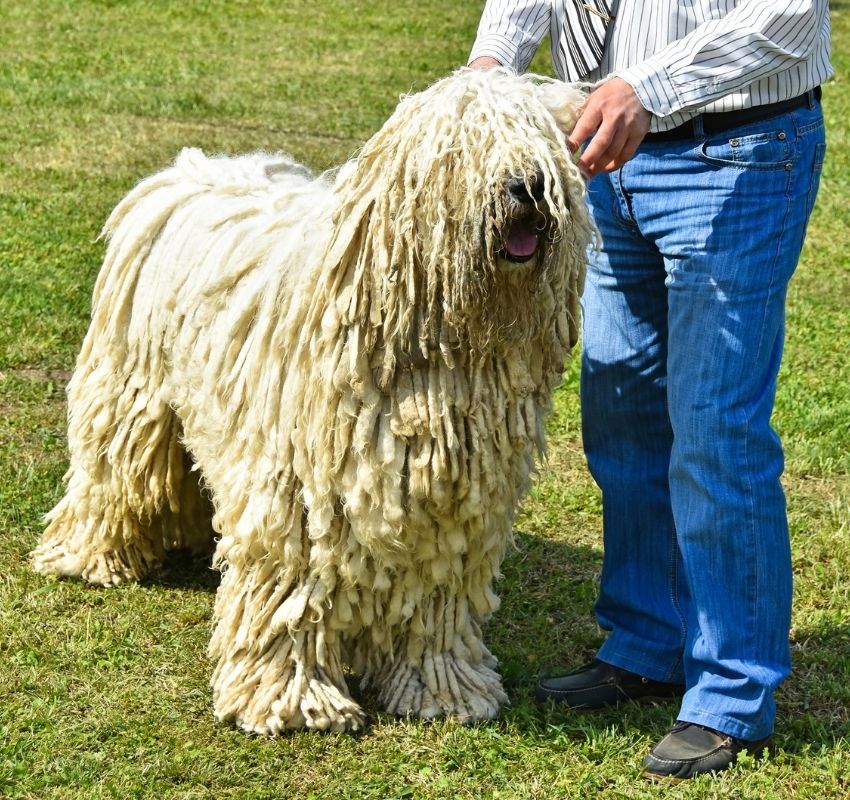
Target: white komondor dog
[355, 369]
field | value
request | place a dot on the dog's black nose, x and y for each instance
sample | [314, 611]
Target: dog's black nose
[527, 189]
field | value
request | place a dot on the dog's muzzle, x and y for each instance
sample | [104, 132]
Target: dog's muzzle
[529, 190]
[521, 239]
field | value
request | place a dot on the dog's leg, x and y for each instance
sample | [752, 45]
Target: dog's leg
[96, 537]
[126, 466]
[187, 516]
[441, 666]
[278, 655]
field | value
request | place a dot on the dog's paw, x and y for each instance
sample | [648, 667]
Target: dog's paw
[106, 568]
[443, 686]
[251, 693]
[321, 707]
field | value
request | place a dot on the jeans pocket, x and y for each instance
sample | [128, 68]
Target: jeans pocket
[759, 150]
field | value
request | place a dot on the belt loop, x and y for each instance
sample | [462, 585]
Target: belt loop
[699, 132]
[811, 97]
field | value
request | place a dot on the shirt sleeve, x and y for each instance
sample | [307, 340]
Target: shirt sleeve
[511, 31]
[756, 39]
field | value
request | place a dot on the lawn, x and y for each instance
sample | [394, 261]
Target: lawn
[104, 693]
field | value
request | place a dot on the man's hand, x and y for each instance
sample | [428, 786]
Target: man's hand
[614, 117]
[484, 62]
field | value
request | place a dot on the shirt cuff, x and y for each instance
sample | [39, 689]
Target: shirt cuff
[503, 49]
[653, 86]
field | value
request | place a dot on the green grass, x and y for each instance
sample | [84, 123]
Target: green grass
[103, 693]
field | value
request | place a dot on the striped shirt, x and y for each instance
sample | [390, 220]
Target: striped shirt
[681, 58]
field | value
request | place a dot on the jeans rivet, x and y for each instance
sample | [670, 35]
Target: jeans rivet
[734, 142]
[789, 166]
[782, 135]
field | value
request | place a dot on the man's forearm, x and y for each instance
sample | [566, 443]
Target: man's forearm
[510, 32]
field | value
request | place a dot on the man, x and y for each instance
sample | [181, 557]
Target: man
[703, 147]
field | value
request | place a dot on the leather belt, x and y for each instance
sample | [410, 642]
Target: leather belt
[726, 120]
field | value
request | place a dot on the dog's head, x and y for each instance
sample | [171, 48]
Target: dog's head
[468, 204]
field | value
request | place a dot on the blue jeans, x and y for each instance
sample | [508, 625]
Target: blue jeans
[683, 331]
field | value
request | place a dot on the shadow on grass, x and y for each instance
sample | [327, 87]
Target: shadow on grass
[814, 703]
[546, 626]
[183, 570]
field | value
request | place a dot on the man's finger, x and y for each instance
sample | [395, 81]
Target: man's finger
[600, 142]
[631, 146]
[614, 158]
[604, 147]
[587, 123]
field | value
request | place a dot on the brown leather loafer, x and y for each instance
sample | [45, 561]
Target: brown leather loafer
[599, 685]
[689, 749]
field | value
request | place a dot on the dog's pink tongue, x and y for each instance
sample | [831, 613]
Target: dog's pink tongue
[522, 241]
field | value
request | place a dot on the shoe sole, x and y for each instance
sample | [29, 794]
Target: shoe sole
[655, 778]
[560, 703]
